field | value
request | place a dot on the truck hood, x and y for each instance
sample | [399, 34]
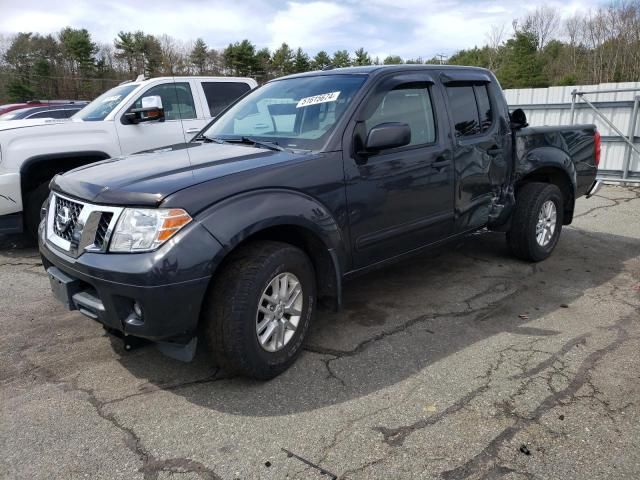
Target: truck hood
[145, 179]
[33, 122]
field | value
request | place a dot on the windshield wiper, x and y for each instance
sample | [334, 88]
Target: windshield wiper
[255, 142]
[244, 140]
[205, 139]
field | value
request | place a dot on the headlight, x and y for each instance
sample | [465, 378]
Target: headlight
[145, 229]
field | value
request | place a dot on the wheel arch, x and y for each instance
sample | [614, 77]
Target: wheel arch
[42, 168]
[284, 216]
[554, 174]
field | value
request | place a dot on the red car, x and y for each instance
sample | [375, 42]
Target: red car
[32, 103]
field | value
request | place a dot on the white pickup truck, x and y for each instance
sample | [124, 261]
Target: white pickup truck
[132, 117]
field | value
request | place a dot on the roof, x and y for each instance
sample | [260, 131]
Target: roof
[53, 106]
[377, 69]
[178, 78]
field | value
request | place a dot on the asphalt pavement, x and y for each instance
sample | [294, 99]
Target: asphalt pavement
[463, 364]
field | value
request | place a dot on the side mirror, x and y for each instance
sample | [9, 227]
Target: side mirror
[387, 135]
[150, 111]
[518, 119]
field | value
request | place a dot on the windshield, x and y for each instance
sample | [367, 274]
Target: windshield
[296, 113]
[105, 103]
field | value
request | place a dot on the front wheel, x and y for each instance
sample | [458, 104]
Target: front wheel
[34, 201]
[537, 221]
[259, 309]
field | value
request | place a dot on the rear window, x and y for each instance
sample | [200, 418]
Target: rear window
[464, 110]
[59, 113]
[221, 94]
[484, 106]
[471, 109]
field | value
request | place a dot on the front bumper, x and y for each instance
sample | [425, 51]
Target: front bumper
[10, 203]
[168, 285]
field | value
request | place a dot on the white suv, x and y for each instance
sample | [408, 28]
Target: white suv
[132, 117]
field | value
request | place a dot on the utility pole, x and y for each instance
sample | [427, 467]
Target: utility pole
[441, 57]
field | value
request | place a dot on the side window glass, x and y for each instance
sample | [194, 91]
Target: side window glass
[45, 114]
[464, 110]
[62, 113]
[484, 107]
[219, 95]
[177, 100]
[408, 103]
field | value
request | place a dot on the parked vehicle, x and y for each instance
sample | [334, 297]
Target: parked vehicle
[129, 118]
[16, 106]
[9, 107]
[306, 181]
[54, 111]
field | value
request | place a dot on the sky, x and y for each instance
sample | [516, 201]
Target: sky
[409, 28]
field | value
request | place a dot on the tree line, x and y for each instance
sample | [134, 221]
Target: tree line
[539, 50]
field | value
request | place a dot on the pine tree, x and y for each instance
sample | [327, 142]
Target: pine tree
[341, 59]
[321, 60]
[301, 62]
[198, 56]
[282, 60]
[393, 60]
[361, 57]
[521, 66]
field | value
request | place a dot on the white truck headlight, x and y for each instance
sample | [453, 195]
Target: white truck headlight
[145, 229]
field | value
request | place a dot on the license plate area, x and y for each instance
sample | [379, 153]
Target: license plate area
[63, 286]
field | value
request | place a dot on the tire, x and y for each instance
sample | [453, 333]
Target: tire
[523, 236]
[33, 203]
[231, 312]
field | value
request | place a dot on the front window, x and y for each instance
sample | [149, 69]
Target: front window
[297, 113]
[103, 105]
[177, 100]
[408, 103]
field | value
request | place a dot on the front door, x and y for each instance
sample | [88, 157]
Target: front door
[402, 198]
[179, 125]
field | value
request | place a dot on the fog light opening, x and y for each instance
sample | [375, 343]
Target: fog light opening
[137, 309]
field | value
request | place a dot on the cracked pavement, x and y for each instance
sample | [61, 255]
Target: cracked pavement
[466, 364]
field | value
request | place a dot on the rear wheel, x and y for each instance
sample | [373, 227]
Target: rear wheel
[536, 222]
[259, 309]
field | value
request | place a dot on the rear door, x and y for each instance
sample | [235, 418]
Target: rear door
[180, 117]
[218, 95]
[402, 198]
[481, 147]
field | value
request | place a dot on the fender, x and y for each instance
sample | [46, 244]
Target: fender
[235, 219]
[546, 157]
[95, 155]
[551, 165]
[45, 167]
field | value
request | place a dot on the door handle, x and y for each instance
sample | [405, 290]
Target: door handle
[192, 131]
[493, 151]
[441, 161]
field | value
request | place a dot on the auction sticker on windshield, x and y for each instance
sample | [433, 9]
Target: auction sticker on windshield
[112, 98]
[324, 98]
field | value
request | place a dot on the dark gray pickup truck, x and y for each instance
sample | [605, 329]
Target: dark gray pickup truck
[313, 178]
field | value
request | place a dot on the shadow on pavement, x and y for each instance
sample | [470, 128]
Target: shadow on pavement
[399, 320]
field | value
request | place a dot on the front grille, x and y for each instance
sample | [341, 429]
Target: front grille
[103, 228]
[75, 227]
[65, 218]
